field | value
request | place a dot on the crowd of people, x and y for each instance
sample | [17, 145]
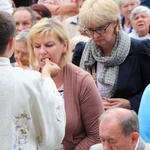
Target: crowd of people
[75, 74]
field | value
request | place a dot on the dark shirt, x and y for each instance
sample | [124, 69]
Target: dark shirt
[19, 3]
[12, 59]
[78, 53]
[122, 23]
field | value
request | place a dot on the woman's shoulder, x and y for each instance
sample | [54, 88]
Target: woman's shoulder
[71, 68]
[76, 74]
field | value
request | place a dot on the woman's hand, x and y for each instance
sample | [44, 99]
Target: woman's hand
[115, 102]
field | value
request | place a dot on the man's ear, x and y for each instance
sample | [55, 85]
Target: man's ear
[135, 137]
[11, 43]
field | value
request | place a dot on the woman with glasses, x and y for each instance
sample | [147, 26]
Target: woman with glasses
[118, 64]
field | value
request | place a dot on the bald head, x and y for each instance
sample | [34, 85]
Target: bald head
[127, 119]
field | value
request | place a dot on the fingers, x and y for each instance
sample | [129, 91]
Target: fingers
[47, 60]
[19, 63]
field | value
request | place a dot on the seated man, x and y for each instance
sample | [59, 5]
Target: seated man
[119, 130]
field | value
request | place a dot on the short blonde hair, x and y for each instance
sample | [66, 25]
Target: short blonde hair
[99, 12]
[120, 2]
[43, 28]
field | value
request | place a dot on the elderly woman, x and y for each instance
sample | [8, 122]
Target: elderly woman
[126, 7]
[21, 53]
[83, 104]
[140, 19]
[119, 64]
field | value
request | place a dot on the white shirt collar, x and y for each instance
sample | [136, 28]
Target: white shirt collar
[137, 144]
[4, 61]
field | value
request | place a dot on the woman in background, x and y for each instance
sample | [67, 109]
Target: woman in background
[40, 11]
[119, 65]
[21, 53]
[126, 7]
[140, 19]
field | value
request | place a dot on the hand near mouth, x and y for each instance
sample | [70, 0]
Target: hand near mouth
[50, 69]
[19, 64]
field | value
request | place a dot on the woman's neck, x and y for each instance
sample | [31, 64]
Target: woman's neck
[107, 49]
[143, 33]
[59, 79]
[127, 23]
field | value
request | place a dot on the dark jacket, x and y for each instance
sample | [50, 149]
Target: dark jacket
[145, 3]
[134, 72]
[78, 53]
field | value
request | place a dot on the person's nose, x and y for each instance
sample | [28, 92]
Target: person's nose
[130, 8]
[80, 28]
[95, 34]
[43, 50]
[106, 146]
[20, 27]
[140, 19]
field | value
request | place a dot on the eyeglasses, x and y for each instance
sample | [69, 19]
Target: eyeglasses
[99, 30]
[17, 52]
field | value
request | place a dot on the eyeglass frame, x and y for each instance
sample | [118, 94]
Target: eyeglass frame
[101, 29]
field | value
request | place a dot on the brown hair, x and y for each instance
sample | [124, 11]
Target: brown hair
[41, 10]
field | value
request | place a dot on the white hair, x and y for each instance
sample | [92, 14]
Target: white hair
[138, 10]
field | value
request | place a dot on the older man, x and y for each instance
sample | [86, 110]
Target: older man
[24, 18]
[119, 130]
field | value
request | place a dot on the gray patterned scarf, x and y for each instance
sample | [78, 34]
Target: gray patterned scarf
[93, 53]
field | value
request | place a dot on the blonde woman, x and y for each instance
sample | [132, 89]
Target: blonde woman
[126, 7]
[83, 104]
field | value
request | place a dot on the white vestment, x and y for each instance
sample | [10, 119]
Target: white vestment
[32, 114]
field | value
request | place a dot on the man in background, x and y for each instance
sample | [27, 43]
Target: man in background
[119, 130]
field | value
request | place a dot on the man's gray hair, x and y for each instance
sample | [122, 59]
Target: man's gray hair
[29, 10]
[138, 10]
[22, 36]
[127, 119]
